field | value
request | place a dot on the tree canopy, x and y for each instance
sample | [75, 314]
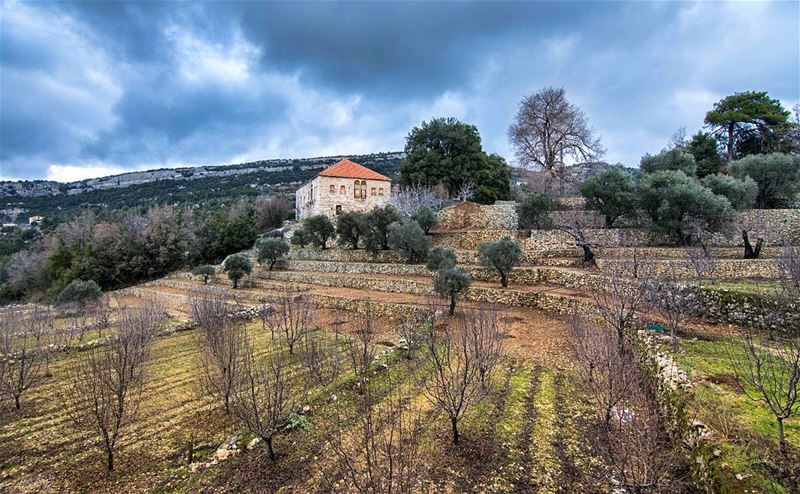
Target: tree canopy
[740, 193]
[611, 193]
[449, 152]
[669, 159]
[777, 176]
[748, 122]
[704, 148]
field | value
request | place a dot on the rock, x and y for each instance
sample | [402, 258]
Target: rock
[253, 443]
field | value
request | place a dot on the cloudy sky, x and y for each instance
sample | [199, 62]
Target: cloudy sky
[89, 89]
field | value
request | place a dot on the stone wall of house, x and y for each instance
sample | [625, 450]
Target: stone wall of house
[472, 216]
[322, 195]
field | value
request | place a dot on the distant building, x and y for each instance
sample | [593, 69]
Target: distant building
[343, 186]
[35, 219]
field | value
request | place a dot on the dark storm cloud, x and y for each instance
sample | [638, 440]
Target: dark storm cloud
[89, 88]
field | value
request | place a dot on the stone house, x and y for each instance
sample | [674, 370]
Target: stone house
[343, 186]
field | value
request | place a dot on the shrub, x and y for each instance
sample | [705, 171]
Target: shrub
[673, 201]
[319, 229]
[777, 176]
[237, 266]
[676, 159]
[441, 258]
[272, 249]
[376, 235]
[534, 211]
[409, 237]
[741, 193]
[611, 193]
[350, 228]
[426, 218]
[80, 292]
[451, 282]
[205, 271]
[502, 256]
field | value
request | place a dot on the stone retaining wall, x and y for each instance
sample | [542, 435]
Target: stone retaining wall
[564, 258]
[471, 239]
[721, 269]
[471, 216]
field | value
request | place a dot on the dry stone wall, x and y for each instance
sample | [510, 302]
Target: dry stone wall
[722, 269]
[501, 215]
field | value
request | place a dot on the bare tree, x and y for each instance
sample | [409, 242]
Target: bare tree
[464, 193]
[548, 131]
[321, 359]
[674, 301]
[381, 453]
[24, 351]
[789, 270]
[617, 303]
[575, 225]
[270, 211]
[291, 318]
[769, 373]
[454, 385]
[267, 396]
[103, 389]
[222, 342]
[486, 339]
[638, 448]
[360, 347]
[747, 228]
[410, 199]
[608, 374]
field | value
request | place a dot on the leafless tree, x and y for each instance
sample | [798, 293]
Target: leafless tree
[102, 314]
[381, 453]
[291, 318]
[608, 373]
[454, 385]
[638, 448]
[411, 327]
[769, 373]
[268, 394]
[360, 346]
[464, 193]
[617, 303]
[321, 359]
[270, 211]
[747, 228]
[410, 199]
[789, 270]
[222, 342]
[103, 389]
[575, 225]
[486, 339]
[24, 351]
[548, 131]
[674, 301]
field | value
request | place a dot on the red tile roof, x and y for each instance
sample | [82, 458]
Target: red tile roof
[349, 169]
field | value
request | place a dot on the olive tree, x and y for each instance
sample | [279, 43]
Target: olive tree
[534, 211]
[675, 159]
[441, 258]
[350, 228]
[376, 235]
[409, 237]
[611, 193]
[270, 250]
[319, 230]
[426, 217]
[501, 256]
[450, 282]
[741, 193]
[673, 200]
[237, 266]
[777, 176]
[206, 270]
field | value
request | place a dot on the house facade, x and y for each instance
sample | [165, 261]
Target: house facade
[342, 187]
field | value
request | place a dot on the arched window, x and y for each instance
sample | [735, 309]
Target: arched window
[360, 189]
[333, 189]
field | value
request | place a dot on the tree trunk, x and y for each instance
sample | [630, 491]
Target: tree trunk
[452, 304]
[110, 460]
[588, 255]
[272, 264]
[235, 283]
[205, 279]
[781, 435]
[269, 447]
[749, 251]
[504, 279]
[454, 423]
[730, 142]
[16, 402]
